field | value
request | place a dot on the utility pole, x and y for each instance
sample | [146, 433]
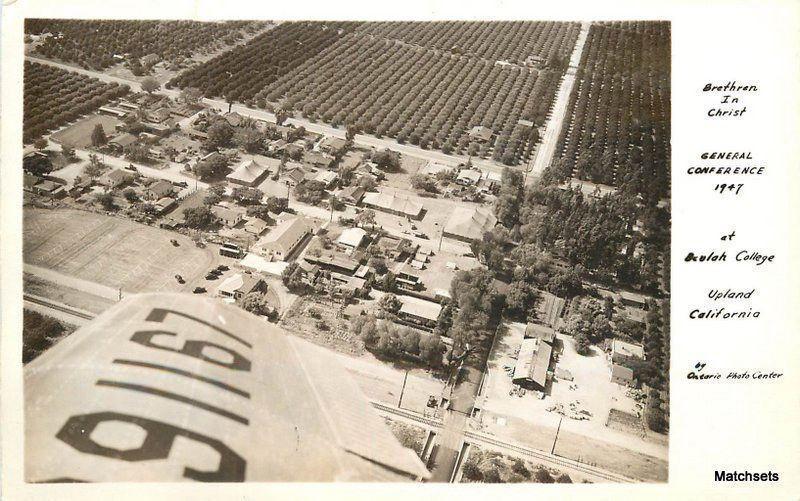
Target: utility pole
[553, 449]
[403, 389]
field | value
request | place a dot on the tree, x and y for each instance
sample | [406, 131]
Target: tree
[563, 479]
[98, 136]
[491, 475]
[256, 303]
[365, 217]
[191, 96]
[94, 168]
[38, 334]
[40, 144]
[389, 282]
[389, 303]
[387, 160]
[211, 168]
[277, 205]
[281, 115]
[220, 134]
[250, 140]
[423, 182]
[430, 349]
[38, 165]
[130, 195]
[136, 152]
[543, 476]
[519, 468]
[106, 200]
[199, 217]
[68, 151]
[247, 195]
[150, 85]
[214, 195]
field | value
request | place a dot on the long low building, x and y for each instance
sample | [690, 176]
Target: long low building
[393, 204]
[469, 223]
[281, 242]
[532, 365]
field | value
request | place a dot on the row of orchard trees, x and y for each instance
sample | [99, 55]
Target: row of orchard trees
[53, 97]
[239, 74]
[424, 97]
[620, 108]
[93, 43]
[495, 41]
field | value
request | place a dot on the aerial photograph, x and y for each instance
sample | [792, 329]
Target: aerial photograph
[346, 251]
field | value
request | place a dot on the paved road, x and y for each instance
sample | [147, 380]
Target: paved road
[547, 148]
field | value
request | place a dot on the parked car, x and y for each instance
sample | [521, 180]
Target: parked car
[223, 267]
[199, 290]
[180, 279]
[174, 243]
[212, 276]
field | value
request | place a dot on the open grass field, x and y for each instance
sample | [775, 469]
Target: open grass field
[79, 134]
[111, 251]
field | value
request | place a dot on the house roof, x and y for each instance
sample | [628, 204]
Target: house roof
[352, 237]
[334, 143]
[355, 193]
[255, 225]
[420, 308]
[542, 332]
[124, 139]
[432, 168]
[470, 222]
[481, 132]
[533, 361]
[225, 213]
[160, 188]
[627, 349]
[164, 202]
[247, 172]
[119, 175]
[621, 372]
[316, 159]
[285, 236]
[234, 119]
[326, 177]
[394, 203]
[472, 175]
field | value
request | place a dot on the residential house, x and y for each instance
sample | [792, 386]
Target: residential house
[481, 134]
[622, 375]
[255, 226]
[468, 177]
[227, 216]
[158, 190]
[394, 204]
[164, 204]
[421, 313]
[351, 238]
[352, 195]
[117, 178]
[623, 353]
[332, 145]
[237, 286]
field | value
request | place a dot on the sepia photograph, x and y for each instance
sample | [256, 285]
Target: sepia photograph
[346, 251]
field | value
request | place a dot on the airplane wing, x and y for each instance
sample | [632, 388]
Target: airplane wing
[170, 387]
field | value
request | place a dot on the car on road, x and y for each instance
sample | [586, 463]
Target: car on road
[199, 290]
[223, 267]
[180, 279]
[212, 276]
[174, 243]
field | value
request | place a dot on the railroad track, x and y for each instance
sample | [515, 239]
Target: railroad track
[478, 439]
[57, 306]
[550, 458]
